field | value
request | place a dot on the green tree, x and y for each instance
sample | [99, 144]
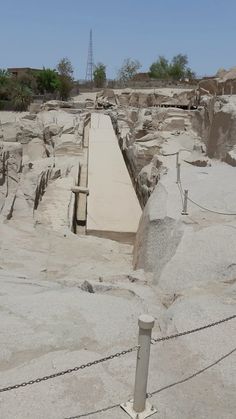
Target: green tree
[128, 69]
[47, 81]
[21, 97]
[176, 69]
[64, 68]
[178, 66]
[5, 84]
[66, 83]
[189, 74]
[29, 79]
[4, 75]
[160, 68]
[99, 75]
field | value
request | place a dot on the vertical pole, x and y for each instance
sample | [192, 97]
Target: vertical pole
[178, 173]
[185, 203]
[177, 159]
[146, 324]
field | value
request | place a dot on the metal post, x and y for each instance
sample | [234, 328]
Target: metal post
[177, 159]
[185, 203]
[178, 173]
[139, 408]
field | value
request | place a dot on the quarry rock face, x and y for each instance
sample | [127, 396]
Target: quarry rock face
[68, 299]
[158, 236]
[29, 164]
[222, 134]
[10, 168]
[223, 84]
[214, 122]
[140, 99]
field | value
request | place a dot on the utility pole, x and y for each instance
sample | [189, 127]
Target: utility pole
[90, 62]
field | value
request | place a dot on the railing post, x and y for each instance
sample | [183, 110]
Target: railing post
[139, 408]
[185, 203]
[177, 159]
[178, 173]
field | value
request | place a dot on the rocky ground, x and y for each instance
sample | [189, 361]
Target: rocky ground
[69, 299]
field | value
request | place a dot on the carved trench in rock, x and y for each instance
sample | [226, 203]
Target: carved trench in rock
[134, 164]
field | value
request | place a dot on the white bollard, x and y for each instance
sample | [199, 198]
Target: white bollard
[139, 408]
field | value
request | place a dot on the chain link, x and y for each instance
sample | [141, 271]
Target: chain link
[188, 332]
[107, 358]
[70, 370]
[190, 377]
[105, 409]
[150, 395]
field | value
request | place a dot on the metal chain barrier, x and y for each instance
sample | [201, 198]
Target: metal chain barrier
[105, 409]
[110, 357]
[188, 332]
[70, 370]
[168, 386]
[195, 374]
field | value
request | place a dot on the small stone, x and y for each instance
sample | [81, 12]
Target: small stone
[86, 286]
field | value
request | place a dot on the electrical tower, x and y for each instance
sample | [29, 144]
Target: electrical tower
[90, 63]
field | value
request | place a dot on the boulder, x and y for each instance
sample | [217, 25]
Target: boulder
[106, 99]
[222, 128]
[9, 131]
[68, 143]
[50, 131]
[158, 235]
[172, 124]
[86, 286]
[34, 150]
[55, 105]
[28, 130]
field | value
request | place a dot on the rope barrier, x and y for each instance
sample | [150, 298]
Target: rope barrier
[210, 210]
[201, 206]
[174, 154]
[191, 200]
[169, 154]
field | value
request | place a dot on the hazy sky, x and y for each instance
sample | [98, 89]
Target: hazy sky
[36, 33]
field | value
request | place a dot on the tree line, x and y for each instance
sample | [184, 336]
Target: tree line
[19, 90]
[175, 69]
[59, 81]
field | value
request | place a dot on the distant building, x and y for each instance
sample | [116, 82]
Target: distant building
[141, 77]
[19, 71]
